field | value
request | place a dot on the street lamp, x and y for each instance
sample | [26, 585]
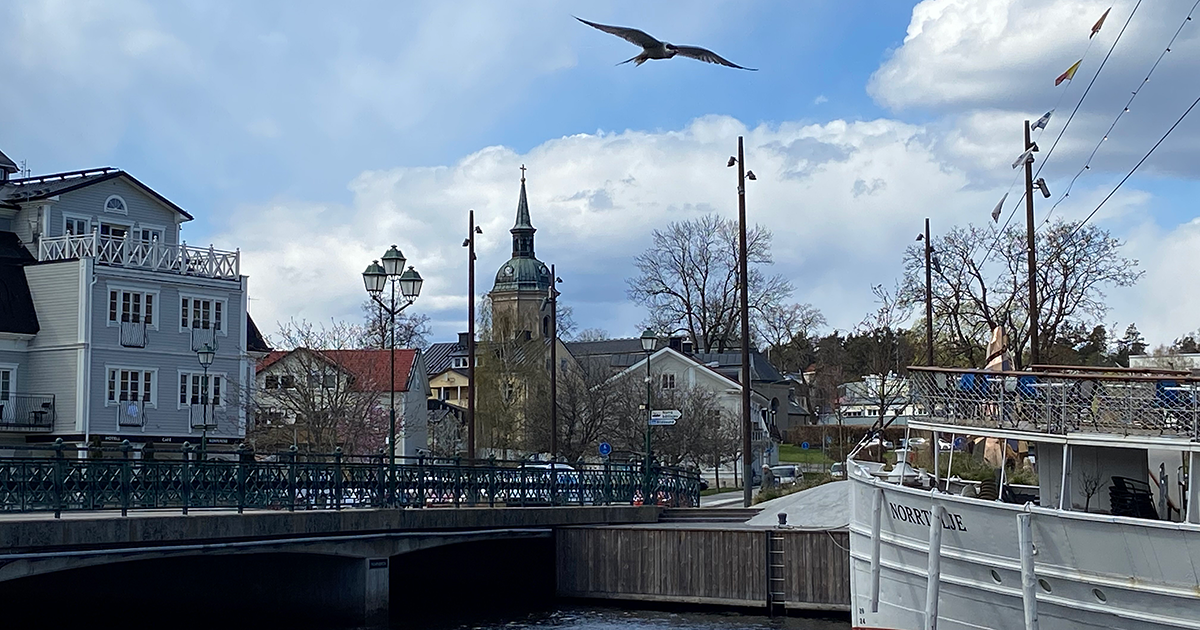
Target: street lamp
[469, 243]
[205, 355]
[649, 340]
[744, 312]
[377, 277]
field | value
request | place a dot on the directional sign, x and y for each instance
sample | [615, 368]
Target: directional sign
[605, 449]
[668, 414]
[662, 422]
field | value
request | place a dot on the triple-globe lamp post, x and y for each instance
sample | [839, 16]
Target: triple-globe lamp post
[378, 277]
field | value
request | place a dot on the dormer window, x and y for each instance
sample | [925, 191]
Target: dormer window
[115, 204]
[459, 362]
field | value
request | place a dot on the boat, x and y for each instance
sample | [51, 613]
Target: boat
[1118, 548]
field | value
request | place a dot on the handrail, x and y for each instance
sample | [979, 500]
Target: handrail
[1045, 367]
[1149, 377]
[335, 482]
[138, 254]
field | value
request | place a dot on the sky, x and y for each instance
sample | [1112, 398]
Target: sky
[312, 136]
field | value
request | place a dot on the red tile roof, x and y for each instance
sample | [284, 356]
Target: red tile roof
[368, 366]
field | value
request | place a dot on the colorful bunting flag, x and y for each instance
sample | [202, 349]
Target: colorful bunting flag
[1099, 23]
[1069, 74]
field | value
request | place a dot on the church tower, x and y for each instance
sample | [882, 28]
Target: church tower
[522, 283]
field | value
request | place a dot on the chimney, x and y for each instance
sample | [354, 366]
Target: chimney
[675, 343]
[464, 339]
[687, 346]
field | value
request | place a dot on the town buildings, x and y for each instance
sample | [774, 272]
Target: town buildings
[105, 312]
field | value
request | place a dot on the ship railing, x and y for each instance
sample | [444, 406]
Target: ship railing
[1062, 399]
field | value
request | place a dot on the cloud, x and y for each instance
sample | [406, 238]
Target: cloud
[595, 199]
[821, 98]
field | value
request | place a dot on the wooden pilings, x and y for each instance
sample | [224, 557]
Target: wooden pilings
[719, 566]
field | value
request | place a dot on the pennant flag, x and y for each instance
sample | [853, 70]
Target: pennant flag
[1099, 23]
[996, 210]
[1069, 74]
[1041, 122]
[1024, 157]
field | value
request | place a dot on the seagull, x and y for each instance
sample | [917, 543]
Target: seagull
[654, 49]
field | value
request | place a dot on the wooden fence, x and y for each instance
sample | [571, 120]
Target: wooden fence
[705, 565]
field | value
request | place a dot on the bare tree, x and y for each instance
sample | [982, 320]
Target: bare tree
[789, 334]
[591, 334]
[883, 351]
[316, 396]
[412, 330]
[688, 280]
[981, 282]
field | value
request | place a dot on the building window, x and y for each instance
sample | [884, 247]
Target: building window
[271, 382]
[201, 313]
[193, 390]
[668, 381]
[149, 234]
[6, 383]
[115, 204]
[126, 384]
[458, 362]
[130, 306]
[76, 226]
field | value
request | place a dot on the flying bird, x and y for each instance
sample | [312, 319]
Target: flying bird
[654, 49]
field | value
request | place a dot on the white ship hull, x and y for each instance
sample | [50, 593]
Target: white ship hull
[1092, 571]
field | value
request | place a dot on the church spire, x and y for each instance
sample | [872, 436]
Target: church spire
[523, 230]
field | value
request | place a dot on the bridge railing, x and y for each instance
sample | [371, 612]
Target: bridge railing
[66, 479]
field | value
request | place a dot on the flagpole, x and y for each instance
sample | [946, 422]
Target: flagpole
[1034, 354]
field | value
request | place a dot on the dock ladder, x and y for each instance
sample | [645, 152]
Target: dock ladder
[776, 573]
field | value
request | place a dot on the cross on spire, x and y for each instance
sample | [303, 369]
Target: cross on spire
[522, 173]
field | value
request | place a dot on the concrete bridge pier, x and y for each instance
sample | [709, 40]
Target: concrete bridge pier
[376, 590]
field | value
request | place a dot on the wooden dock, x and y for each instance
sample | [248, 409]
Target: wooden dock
[720, 564]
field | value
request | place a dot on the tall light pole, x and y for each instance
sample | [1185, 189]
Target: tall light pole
[1030, 147]
[649, 340]
[744, 312]
[552, 302]
[376, 277]
[205, 355]
[928, 293]
[469, 243]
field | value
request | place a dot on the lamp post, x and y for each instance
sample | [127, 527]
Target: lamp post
[649, 340]
[376, 278]
[551, 301]
[469, 243]
[205, 355]
[744, 312]
[928, 293]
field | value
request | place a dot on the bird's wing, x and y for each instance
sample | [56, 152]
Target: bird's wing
[703, 54]
[631, 35]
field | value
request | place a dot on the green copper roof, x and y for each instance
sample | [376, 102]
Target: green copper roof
[523, 274]
[523, 221]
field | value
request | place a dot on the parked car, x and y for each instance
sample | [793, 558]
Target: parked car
[877, 442]
[916, 442]
[786, 474]
[837, 470]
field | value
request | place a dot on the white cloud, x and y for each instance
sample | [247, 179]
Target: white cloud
[842, 198]
[821, 98]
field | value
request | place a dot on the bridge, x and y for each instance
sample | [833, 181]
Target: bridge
[328, 539]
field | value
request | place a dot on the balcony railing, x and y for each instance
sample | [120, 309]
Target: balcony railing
[27, 412]
[133, 334]
[138, 254]
[131, 413]
[204, 416]
[1065, 400]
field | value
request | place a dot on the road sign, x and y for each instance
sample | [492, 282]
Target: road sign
[661, 422]
[605, 449]
[667, 414]
[959, 443]
[804, 445]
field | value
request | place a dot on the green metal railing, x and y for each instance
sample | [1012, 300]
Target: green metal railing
[69, 479]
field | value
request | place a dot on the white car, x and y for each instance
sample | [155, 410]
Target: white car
[879, 442]
[786, 474]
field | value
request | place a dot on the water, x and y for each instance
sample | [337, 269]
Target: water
[605, 618]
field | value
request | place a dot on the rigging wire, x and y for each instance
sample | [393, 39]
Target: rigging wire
[1087, 163]
[1012, 214]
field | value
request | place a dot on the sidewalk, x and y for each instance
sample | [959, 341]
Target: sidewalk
[724, 499]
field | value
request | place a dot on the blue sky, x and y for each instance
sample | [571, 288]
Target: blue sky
[313, 136]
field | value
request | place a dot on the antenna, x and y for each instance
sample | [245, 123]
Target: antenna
[25, 172]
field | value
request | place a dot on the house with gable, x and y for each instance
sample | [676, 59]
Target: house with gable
[323, 399]
[104, 310]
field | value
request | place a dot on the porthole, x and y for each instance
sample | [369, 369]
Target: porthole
[995, 576]
[1100, 596]
[1044, 584]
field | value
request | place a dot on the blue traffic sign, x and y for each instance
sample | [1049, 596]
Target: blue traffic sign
[804, 445]
[605, 449]
[959, 443]
[828, 439]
